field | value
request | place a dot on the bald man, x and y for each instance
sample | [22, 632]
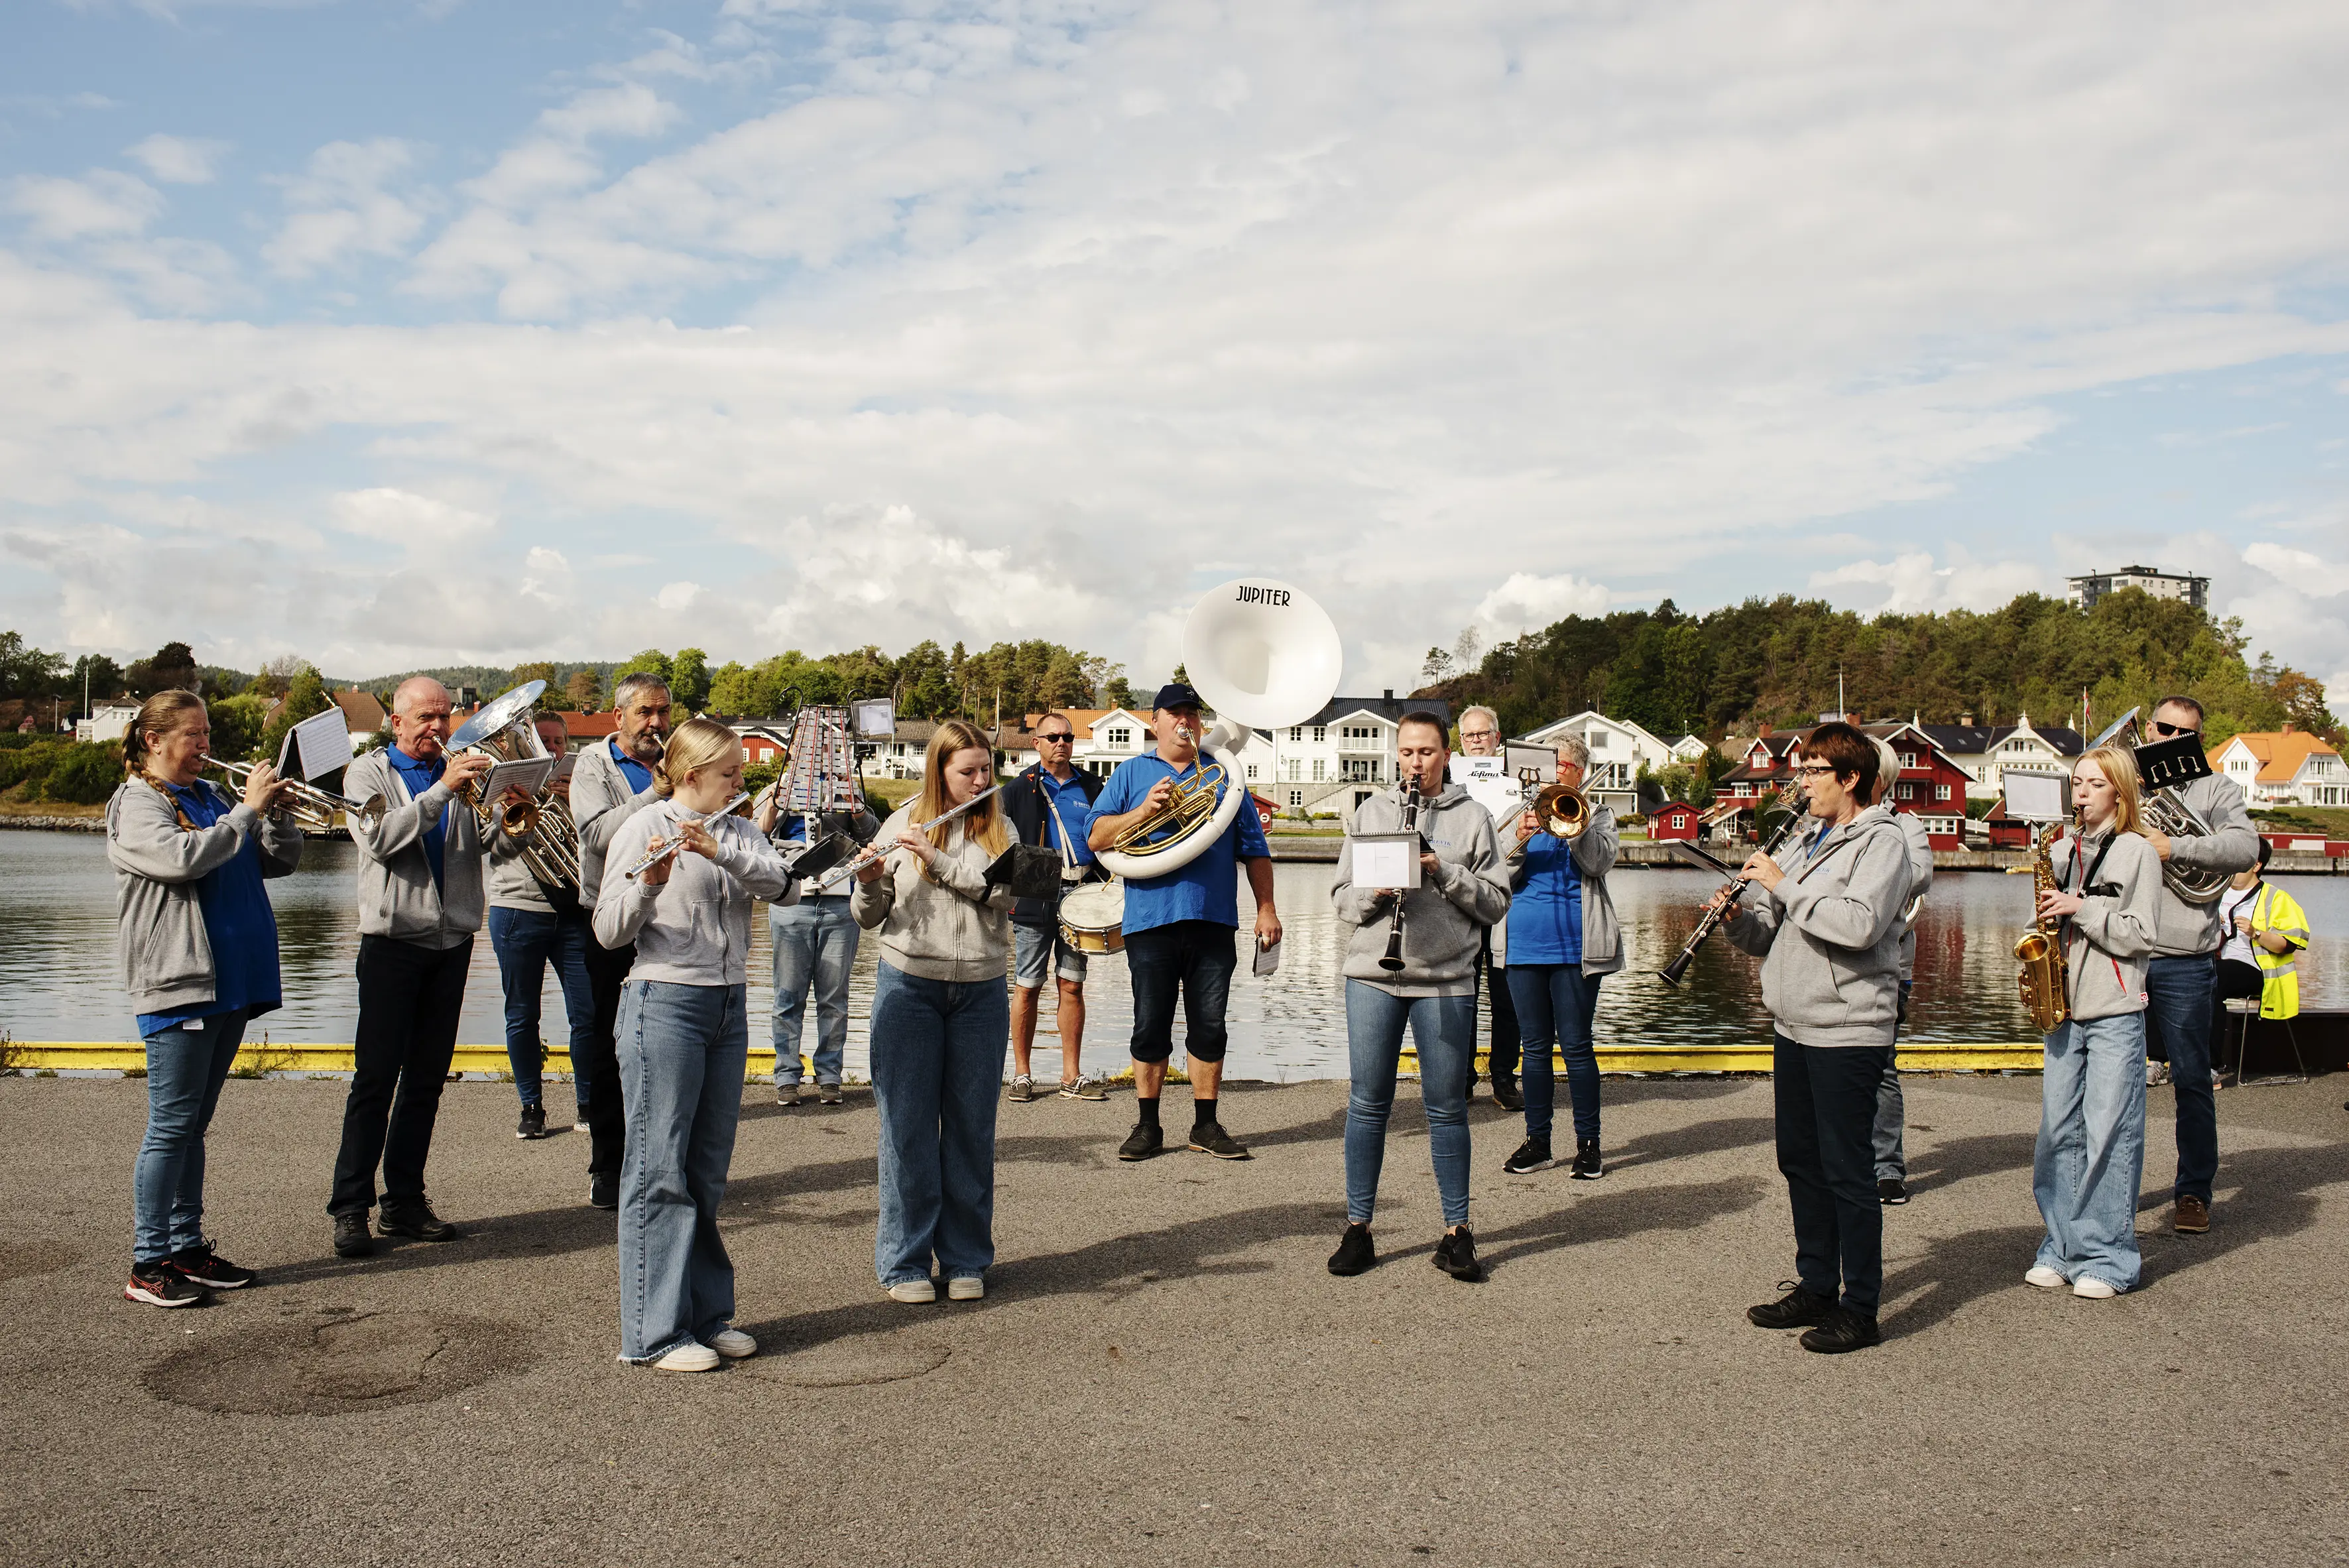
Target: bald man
[419, 905]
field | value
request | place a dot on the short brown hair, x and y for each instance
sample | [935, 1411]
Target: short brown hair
[1844, 748]
[2181, 700]
[1420, 715]
[159, 716]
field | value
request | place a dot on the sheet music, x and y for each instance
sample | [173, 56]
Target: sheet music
[1489, 784]
[529, 775]
[322, 742]
[1386, 859]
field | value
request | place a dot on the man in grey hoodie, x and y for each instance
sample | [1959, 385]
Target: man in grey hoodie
[1411, 959]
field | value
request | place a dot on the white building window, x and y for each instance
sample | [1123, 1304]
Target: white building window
[1320, 734]
[1252, 774]
[1320, 770]
[1297, 797]
[1296, 734]
[1294, 764]
[1596, 740]
[1941, 791]
[1121, 737]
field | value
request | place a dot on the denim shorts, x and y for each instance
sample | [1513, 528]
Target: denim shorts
[1032, 949]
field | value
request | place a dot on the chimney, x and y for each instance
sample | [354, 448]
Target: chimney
[1390, 694]
[1765, 732]
[2287, 727]
[1967, 719]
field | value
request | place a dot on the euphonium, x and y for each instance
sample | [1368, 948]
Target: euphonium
[2043, 980]
[1193, 801]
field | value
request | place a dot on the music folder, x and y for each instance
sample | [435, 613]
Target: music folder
[1385, 860]
[2166, 764]
[2036, 797]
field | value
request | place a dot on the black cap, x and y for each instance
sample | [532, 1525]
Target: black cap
[1175, 694]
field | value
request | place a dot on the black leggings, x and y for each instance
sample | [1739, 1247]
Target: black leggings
[2236, 978]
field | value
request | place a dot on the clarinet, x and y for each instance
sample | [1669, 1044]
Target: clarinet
[1671, 972]
[1392, 960]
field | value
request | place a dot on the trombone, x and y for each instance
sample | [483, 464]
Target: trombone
[310, 806]
[1563, 812]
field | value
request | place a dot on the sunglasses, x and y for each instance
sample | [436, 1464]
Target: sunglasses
[2159, 727]
[1055, 740]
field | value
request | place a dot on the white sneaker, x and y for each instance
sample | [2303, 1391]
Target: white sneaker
[2043, 1277]
[581, 1127]
[970, 1287]
[2088, 1287]
[733, 1343]
[691, 1356]
[914, 1291]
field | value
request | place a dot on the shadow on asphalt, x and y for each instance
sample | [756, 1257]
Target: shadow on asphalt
[1616, 1215]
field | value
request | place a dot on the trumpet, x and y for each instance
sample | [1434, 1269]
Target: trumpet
[652, 858]
[310, 806]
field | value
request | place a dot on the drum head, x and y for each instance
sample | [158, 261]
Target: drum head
[1096, 906]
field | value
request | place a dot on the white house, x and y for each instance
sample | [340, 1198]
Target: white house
[1688, 749]
[1619, 750]
[108, 721]
[1983, 752]
[2289, 768]
[1337, 759]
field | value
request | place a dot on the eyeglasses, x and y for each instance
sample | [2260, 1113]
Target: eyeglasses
[2159, 727]
[1813, 769]
[1478, 734]
[1054, 739]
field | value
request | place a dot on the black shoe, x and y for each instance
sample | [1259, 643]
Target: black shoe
[205, 1267]
[1355, 1255]
[532, 1123]
[1798, 1308]
[1892, 1191]
[416, 1221]
[1209, 1138]
[1532, 1155]
[1505, 1095]
[352, 1237]
[1842, 1329]
[827, 1093]
[1142, 1142]
[604, 1189]
[1455, 1255]
[1587, 1166]
[159, 1284]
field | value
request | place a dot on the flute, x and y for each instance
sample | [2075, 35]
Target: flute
[850, 867]
[654, 857]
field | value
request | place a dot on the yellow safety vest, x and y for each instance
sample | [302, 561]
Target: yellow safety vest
[2276, 910]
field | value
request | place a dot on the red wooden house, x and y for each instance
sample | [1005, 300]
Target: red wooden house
[1674, 820]
[1931, 785]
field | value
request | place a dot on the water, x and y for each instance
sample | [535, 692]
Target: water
[60, 979]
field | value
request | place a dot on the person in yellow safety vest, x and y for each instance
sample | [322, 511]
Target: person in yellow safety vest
[2265, 931]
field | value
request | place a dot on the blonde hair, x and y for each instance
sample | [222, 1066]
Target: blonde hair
[1888, 769]
[159, 716]
[696, 743]
[984, 823]
[2119, 769]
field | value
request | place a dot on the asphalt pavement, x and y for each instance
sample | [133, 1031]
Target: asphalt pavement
[1162, 1369]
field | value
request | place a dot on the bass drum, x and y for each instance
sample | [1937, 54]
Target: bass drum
[1090, 915]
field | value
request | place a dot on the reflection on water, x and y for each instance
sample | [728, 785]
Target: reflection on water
[59, 978]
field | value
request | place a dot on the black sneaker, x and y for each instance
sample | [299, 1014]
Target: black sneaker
[604, 1189]
[1587, 1166]
[827, 1093]
[1455, 1255]
[416, 1221]
[1142, 1142]
[1209, 1138]
[787, 1095]
[1892, 1191]
[1798, 1308]
[1842, 1329]
[158, 1284]
[1505, 1095]
[202, 1266]
[532, 1123]
[1532, 1155]
[352, 1237]
[1355, 1255]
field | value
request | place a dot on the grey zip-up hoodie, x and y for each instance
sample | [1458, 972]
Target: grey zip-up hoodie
[511, 884]
[1921, 876]
[1445, 917]
[695, 928]
[601, 801]
[2106, 944]
[167, 954]
[2186, 930]
[398, 897]
[1829, 937]
[957, 928]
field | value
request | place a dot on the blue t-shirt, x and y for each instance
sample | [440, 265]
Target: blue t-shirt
[420, 777]
[1545, 913]
[1067, 803]
[238, 922]
[639, 776]
[1206, 889]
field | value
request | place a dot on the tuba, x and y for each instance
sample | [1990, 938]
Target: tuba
[2167, 813]
[505, 730]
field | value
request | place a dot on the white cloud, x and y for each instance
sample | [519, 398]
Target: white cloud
[1526, 602]
[2304, 569]
[179, 160]
[103, 203]
[1915, 585]
[420, 522]
[343, 205]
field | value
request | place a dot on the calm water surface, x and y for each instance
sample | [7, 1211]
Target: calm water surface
[59, 980]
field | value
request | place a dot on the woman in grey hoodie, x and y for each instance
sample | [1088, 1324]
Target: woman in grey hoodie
[199, 959]
[1824, 917]
[1464, 889]
[2107, 902]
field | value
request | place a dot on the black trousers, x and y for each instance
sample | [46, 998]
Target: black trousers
[410, 996]
[1493, 979]
[2236, 978]
[1827, 1151]
[607, 1120]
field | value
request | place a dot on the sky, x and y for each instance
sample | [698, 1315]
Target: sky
[392, 332]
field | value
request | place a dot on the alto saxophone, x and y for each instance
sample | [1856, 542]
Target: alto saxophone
[2043, 980]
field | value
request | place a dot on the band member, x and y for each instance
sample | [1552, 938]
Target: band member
[1563, 941]
[815, 947]
[2091, 1149]
[1049, 804]
[2181, 980]
[419, 898]
[1480, 736]
[1824, 919]
[612, 783]
[2266, 932]
[938, 1020]
[1179, 928]
[200, 961]
[531, 923]
[684, 1041]
[1891, 1109]
[1411, 959]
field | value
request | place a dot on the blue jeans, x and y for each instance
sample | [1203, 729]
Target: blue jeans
[2091, 1151]
[1892, 1110]
[1444, 1030]
[937, 1066]
[1196, 957]
[815, 944]
[525, 940]
[185, 1069]
[682, 1053]
[1827, 1115]
[1555, 1003]
[2177, 1025]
